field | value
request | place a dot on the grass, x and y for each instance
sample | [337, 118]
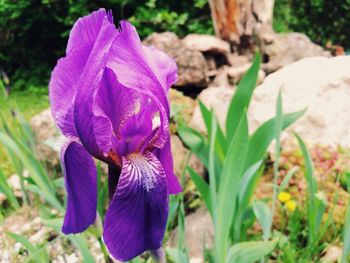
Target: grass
[29, 103]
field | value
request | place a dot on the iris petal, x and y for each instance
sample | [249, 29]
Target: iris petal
[136, 68]
[63, 88]
[93, 126]
[165, 157]
[116, 101]
[136, 218]
[87, 28]
[80, 180]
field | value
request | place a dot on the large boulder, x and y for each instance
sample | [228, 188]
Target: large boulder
[321, 84]
[283, 49]
[192, 67]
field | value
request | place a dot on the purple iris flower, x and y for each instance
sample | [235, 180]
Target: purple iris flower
[109, 98]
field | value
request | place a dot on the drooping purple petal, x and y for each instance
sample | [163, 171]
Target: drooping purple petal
[87, 28]
[165, 157]
[93, 126]
[134, 68]
[136, 218]
[80, 180]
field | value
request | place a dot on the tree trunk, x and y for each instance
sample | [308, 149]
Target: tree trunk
[238, 20]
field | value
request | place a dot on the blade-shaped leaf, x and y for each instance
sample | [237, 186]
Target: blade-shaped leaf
[177, 256]
[78, 240]
[247, 182]
[242, 97]
[7, 191]
[202, 187]
[263, 215]
[229, 185]
[250, 252]
[312, 202]
[24, 242]
[287, 178]
[198, 145]
[221, 146]
[196, 142]
[263, 136]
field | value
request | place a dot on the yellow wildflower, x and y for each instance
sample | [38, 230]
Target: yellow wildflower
[284, 197]
[291, 205]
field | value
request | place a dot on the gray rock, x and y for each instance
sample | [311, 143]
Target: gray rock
[283, 49]
[320, 84]
[192, 67]
[199, 234]
[206, 44]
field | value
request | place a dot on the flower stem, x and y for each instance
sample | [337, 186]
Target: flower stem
[158, 255]
[104, 250]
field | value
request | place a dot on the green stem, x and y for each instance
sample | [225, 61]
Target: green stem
[104, 250]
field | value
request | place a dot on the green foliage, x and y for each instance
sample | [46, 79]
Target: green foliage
[33, 34]
[316, 203]
[346, 231]
[36, 253]
[233, 161]
[321, 20]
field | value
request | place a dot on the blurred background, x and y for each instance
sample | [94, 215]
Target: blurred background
[33, 34]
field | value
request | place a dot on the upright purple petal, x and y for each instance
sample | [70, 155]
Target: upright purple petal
[93, 126]
[136, 218]
[63, 88]
[66, 75]
[163, 66]
[87, 28]
[134, 67]
[165, 157]
[117, 102]
[80, 180]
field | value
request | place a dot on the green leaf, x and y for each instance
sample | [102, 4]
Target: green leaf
[221, 145]
[7, 191]
[36, 171]
[177, 255]
[346, 233]
[198, 145]
[203, 188]
[78, 240]
[213, 176]
[242, 97]
[24, 241]
[287, 178]
[262, 137]
[250, 252]
[231, 175]
[314, 206]
[247, 184]
[263, 214]
[196, 142]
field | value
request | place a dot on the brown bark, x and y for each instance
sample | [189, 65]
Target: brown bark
[237, 20]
